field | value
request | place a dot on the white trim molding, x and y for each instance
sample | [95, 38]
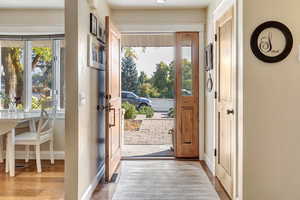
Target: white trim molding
[89, 191]
[210, 164]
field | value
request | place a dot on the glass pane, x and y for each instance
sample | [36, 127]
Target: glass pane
[186, 69]
[12, 70]
[62, 74]
[42, 73]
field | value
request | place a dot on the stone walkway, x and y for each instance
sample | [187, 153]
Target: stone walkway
[152, 132]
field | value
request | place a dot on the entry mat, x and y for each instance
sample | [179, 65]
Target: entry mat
[163, 180]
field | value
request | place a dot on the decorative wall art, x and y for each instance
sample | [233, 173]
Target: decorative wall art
[93, 24]
[209, 57]
[94, 52]
[272, 42]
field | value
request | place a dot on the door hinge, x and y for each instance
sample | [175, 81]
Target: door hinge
[216, 37]
[215, 153]
[216, 95]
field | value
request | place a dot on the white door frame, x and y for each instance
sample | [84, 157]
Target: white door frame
[173, 29]
[223, 7]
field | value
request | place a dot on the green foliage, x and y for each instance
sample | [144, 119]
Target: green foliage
[130, 110]
[163, 79]
[187, 75]
[146, 110]
[129, 75]
[129, 52]
[147, 90]
[43, 53]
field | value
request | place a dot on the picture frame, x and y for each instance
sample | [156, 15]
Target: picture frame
[93, 24]
[93, 52]
[101, 32]
[209, 60]
[265, 44]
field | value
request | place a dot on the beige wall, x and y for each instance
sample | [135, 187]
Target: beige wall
[81, 119]
[209, 96]
[271, 109]
[131, 20]
[31, 21]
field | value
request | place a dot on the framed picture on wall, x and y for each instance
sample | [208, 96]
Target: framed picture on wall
[93, 24]
[93, 52]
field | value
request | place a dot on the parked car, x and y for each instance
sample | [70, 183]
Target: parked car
[134, 99]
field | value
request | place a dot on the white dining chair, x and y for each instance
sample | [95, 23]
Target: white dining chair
[42, 134]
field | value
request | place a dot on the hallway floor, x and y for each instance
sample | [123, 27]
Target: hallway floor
[160, 180]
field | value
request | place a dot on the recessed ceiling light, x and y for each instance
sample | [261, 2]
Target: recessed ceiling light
[161, 1]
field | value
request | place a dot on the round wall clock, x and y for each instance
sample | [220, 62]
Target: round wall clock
[272, 42]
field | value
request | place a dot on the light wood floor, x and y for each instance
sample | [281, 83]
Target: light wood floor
[30, 185]
[160, 180]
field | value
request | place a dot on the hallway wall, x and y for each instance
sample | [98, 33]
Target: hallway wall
[209, 96]
[271, 100]
[81, 115]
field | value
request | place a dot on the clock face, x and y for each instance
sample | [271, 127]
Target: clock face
[271, 42]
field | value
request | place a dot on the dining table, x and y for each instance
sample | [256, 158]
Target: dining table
[8, 123]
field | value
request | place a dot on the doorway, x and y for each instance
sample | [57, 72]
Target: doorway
[185, 107]
[148, 98]
[226, 101]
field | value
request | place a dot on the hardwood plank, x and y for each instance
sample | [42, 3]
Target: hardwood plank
[163, 179]
[28, 184]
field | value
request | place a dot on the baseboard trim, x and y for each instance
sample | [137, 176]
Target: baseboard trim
[209, 164]
[89, 191]
[45, 155]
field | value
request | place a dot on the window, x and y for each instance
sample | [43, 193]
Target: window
[32, 70]
[12, 71]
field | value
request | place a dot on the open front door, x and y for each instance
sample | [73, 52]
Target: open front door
[187, 94]
[226, 89]
[113, 100]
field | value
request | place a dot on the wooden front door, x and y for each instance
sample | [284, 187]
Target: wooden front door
[226, 90]
[113, 100]
[187, 95]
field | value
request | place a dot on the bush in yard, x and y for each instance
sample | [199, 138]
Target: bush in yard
[146, 110]
[130, 110]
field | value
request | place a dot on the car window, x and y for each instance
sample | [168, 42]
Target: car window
[131, 96]
[124, 95]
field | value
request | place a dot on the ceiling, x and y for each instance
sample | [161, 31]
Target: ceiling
[118, 4]
[152, 4]
[32, 3]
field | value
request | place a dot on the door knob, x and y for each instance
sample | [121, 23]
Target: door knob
[230, 112]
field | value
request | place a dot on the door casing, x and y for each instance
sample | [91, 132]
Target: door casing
[228, 13]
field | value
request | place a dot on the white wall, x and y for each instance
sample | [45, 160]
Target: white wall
[209, 96]
[31, 21]
[271, 100]
[81, 119]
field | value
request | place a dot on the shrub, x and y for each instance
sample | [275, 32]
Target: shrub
[146, 110]
[130, 110]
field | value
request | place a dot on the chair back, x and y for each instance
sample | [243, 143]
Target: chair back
[47, 118]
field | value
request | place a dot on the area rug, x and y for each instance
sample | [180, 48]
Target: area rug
[163, 180]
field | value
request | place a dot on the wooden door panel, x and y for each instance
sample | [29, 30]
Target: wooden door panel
[187, 95]
[113, 100]
[226, 87]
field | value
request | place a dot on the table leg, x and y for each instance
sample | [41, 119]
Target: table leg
[11, 149]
